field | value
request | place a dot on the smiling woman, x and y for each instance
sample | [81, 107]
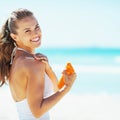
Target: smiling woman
[32, 82]
[31, 32]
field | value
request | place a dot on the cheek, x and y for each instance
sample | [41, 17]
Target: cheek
[24, 37]
[22, 40]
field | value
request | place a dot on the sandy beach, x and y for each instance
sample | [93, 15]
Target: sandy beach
[88, 107]
[71, 107]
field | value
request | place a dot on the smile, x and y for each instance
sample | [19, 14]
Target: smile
[35, 39]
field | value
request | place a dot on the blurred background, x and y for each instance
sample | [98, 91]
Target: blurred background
[87, 34]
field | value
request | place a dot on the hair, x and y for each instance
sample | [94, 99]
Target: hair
[7, 43]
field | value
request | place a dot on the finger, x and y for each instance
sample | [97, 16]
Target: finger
[40, 58]
[40, 55]
[36, 57]
[44, 61]
[64, 72]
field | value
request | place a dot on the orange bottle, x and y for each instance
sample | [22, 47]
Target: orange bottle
[70, 70]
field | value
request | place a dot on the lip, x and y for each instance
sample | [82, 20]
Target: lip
[37, 39]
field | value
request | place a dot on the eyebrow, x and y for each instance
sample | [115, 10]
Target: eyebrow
[29, 28]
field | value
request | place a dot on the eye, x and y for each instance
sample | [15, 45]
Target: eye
[27, 31]
[37, 27]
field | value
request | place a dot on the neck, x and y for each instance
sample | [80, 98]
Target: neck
[26, 50]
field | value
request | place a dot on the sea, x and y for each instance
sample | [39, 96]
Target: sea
[97, 69]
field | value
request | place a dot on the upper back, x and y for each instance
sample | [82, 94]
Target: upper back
[20, 70]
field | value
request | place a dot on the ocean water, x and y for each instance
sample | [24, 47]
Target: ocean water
[98, 69]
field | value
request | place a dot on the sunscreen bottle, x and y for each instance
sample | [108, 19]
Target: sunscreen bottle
[69, 70]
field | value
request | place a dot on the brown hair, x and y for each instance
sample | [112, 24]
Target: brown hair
[7, 43]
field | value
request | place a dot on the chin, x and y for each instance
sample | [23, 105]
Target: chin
[38, 45]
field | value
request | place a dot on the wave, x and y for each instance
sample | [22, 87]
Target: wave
[91, 68]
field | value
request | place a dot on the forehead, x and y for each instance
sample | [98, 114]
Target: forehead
[26, 22]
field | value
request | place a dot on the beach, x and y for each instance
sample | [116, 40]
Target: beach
[85, 33]
[88, 107]
[79, 107]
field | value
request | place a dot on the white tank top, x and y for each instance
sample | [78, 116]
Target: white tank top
[24, 112]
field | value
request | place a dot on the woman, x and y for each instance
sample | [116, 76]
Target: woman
[32, 82]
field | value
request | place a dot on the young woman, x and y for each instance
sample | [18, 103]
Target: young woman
[32, 82]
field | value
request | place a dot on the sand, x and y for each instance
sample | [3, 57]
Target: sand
[100, 106]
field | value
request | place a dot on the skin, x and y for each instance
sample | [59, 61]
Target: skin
[27, 75]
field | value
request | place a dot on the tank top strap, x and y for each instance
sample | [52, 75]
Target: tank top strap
[13, 54]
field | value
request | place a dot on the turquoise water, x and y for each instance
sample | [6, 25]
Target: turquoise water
[98, 70]
[83, 56]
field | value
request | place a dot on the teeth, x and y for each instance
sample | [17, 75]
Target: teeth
[35, 40]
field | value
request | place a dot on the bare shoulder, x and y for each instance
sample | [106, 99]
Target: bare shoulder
[29, 64]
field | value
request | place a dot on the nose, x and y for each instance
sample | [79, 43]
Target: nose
[36, 33]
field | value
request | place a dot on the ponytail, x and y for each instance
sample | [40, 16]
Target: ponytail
[7, 43]
[6, 48]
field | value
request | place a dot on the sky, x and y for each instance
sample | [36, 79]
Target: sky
[72, 23]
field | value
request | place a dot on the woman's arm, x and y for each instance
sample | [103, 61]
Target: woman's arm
[52, 75]
[48, 70]
[35, 89]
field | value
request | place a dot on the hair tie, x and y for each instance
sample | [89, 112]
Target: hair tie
[9, 26]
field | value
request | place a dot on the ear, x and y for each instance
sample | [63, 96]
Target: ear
[13, 36]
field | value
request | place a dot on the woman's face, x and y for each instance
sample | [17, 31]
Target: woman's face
[28, 33]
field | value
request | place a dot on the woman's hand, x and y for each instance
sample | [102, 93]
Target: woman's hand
[44, 59]
[69, 79]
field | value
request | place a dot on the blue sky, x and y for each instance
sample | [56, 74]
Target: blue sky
[73, 23]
